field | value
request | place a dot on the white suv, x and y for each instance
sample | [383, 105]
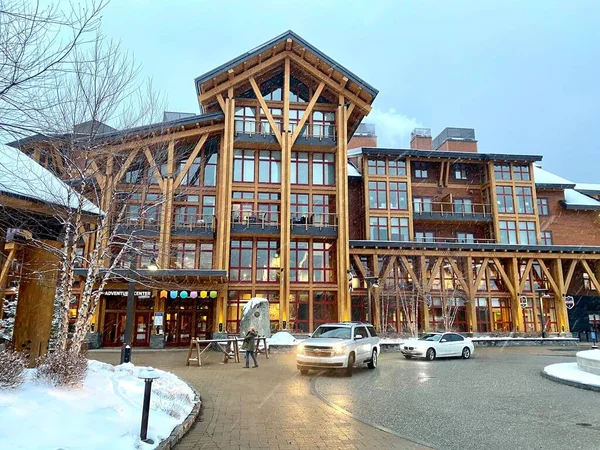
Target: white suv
[339, 346]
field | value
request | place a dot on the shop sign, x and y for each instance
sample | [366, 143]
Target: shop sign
[569, 302]
[523, 301]
[158, 319]
[140, 294]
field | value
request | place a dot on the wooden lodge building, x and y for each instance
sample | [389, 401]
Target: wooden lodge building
[277, 190]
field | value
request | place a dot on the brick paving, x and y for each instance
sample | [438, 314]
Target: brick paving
[270, 407]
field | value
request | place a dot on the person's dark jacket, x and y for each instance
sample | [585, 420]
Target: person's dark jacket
[250, 341]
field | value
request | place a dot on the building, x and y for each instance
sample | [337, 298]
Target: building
[277, 189]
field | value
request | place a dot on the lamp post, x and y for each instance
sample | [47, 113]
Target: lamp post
[541, 293]
[371, 282]
[148, 375]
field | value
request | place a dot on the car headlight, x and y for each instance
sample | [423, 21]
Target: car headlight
[339, 349]
[300, 349]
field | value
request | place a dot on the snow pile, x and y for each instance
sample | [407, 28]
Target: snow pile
[105, 413]
[394, 340]
[283, 338]
[570, 372]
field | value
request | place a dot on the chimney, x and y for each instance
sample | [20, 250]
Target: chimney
[456, 140]
[420, 139]
[364, 136]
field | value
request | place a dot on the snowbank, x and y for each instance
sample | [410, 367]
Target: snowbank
[593, 355]
[283, 338]
[570, 372]
[105, 413]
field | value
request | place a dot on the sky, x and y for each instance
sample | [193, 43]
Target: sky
[524, 74]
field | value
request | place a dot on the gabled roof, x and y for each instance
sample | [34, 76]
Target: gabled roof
[549, 180]
[588, 188]
[278, 40]
[576, 200]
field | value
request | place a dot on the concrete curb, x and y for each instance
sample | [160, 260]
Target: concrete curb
[576, 384]
[181, 430]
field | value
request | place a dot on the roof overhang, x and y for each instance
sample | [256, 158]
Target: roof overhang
[150, 277]
[442, 154]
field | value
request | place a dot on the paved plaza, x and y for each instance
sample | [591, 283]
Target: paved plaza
[496, 400]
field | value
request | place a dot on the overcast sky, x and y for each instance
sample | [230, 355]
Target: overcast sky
[524, 74]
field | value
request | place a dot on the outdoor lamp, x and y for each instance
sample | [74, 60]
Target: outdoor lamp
[153, 266]
[203, 294]
[183, 294]
[148, 375]
[213, 294]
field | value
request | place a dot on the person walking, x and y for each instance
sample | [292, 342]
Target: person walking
[250, 346]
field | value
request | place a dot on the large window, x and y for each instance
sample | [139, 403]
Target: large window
[267, 261]
[529, 321]
[269, 167]
[245, 120]
[397, 168]
[192, 176]
[377, 195]
[508, 232]
[527, 234]
[210, 170]
[243, 166]
[206, 255]
[186, 215]
[299, 206]
[399, 229]
[320, 209]
[323, 169]
[398, 196]
[376, 166]
[420, 170]
[184, 255]
[208, 208]
[299, 262]
[483, 314]
[460, 171]
[240, 261]
[324, 308]
[502, 171]
[504, 198]
[149, 253]
[323, 124]
[521, 173]
[542, 204]
[323, 263]
[295, 116]
[300, 311]
[299, 168]
[378, 227]
[463, 206]
[235, 305]
[465, 238]
[524, 200]
[501, 314]
[421, 205]
[424, 236]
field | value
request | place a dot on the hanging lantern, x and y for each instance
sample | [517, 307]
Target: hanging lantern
[163, 294]
[194, 294]
[203, 294]
[183, 294]
[173, 294]
[213, 294]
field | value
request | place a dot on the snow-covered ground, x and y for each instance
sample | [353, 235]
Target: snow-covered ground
[498, 338]
[103, 414]
[570, 372]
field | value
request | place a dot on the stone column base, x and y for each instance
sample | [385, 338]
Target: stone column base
[94, 340]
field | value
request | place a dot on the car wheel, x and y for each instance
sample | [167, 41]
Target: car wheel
[430, 355]
[408, 356]
[466, 353]
[373, 363]
[350, 367]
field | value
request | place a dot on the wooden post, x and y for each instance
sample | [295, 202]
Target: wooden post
[471, 307]
[343, 250]
[560, 305]
[286, 157]
[518, 323]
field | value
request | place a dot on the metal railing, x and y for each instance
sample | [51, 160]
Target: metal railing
[263, 127]
[194, 222]
[452, 209]
[453, 240]
[314, 219]
[141, 223]
[255, 218]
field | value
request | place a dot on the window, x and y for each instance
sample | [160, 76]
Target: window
[299, 262]
[524, 200]
[152, 173]
[274, 95]
[587, 283]
[269, 167]
[184, 255]
[206, 255]
[501, 314]
[133, 213]
[527, 234]
[242, 208]
[483, 314]
[463, 206]
[265, 126]
[267, 261]
[504, 198]
[186, 216]
[245, 119]
[521, 173]
[235, 305]
[542, 204]
[210, 169]
[323, 263]
[294, 119]
[243, 166]
[436, 314]
[377, 195]
[398, 196]
[149, 253]
[299, 311]
[133, 175]
[508, 232]
[397, 168]
[379, 231]
[529, 321]
[501, 171]
[323, 124]
[153, 209]
[273, 299]
[324, 308]
[268, 207]
[320, 209]
[360, 331]
[240, 261]
[546, 237]
[460, 171]
[299, 168]
[421, 205]
[420, 170]
[376, 167]
[323, 169]
[399, 229]
[424, 236]
[208, 208]
[192, 177]
[465, 238]
[299, 207]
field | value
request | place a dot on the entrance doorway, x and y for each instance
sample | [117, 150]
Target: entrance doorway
[113, 334]
[186, 319]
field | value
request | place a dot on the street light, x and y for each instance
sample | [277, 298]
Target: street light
[148, 375]
[371, 282]
[542, 293]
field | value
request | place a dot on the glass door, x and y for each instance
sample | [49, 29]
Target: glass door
[141, 334]
[185, 328]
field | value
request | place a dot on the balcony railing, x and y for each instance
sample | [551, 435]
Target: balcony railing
[193, 222]
[457, 210]
[314, 219]
[255, 218]
[453, 240]
[263, 127]
[141, 223]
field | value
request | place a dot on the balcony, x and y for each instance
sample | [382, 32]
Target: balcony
[139, 226]
[314, 224]
[261, 222]
[194, 225]
[452, 240]
[249, 130]
[459, 212]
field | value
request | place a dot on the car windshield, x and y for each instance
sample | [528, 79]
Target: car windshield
[430, 337]
[332, 332]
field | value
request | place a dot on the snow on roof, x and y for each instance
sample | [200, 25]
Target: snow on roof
[23, 177]
[543, 177]
[588, 188]
[353, 171]
[577, 200]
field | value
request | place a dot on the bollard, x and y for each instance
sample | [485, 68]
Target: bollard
[148, 375]
[126, 354]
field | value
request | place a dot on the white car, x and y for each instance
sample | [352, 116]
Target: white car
[339, 346]
[438, 345]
